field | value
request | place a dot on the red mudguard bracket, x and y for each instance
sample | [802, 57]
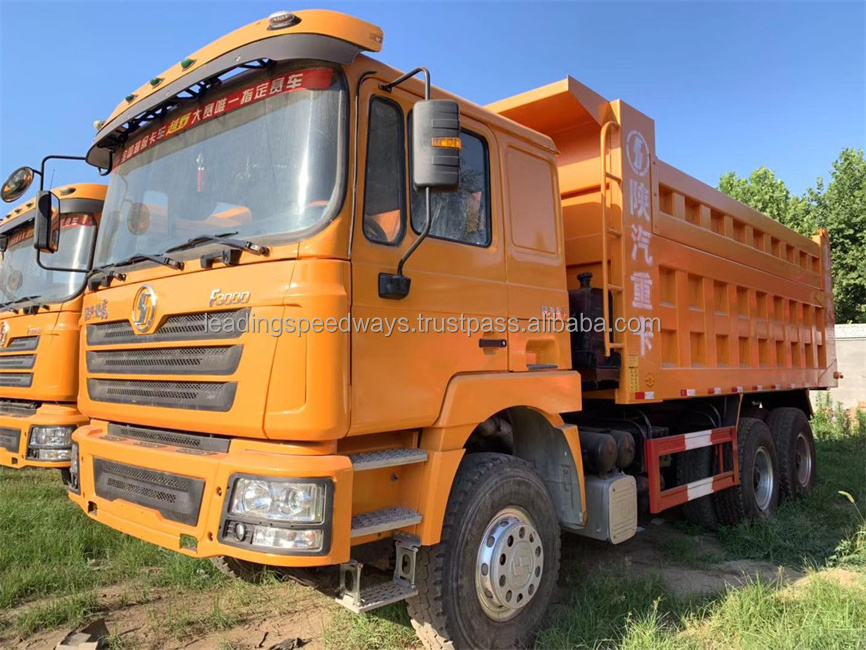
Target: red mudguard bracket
[656, 448]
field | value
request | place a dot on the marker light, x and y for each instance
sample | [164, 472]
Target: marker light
[130, 97]
[282, 19]
[155, 81]
[186, 63]
[447, 143]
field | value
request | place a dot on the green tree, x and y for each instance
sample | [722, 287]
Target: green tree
[840, 207]
[764, 192]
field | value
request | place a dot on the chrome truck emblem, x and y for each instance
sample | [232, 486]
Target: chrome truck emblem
[144, 309]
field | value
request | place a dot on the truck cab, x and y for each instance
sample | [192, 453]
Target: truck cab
[39, 312]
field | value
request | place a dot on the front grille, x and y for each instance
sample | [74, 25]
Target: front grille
[16, 379]
[170, 361]
[22, 344]
[174, 438]
[18, 362]
[18, 408]
[180, 327]
[10, 439]
[177, 498]
[195, 395]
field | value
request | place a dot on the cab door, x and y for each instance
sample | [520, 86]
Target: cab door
[404, 352]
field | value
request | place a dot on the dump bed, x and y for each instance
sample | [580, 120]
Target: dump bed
[714, 296]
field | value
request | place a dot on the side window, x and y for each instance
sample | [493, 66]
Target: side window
[385, 182]
[461, 215]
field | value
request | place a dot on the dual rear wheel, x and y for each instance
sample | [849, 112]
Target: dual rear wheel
[776, 460]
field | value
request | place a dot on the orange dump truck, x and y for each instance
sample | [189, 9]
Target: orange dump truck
[39, 313]
[338, 316]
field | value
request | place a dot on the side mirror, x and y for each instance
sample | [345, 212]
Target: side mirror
[17, 184]
[46, 227]
[436, 144]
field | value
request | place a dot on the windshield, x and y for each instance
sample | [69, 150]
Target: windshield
[21, 276]
[263, 158]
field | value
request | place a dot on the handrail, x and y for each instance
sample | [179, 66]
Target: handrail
[605, 276]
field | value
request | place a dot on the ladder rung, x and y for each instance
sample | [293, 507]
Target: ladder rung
[614, 232]
[615, 288]
[387, 458]
[613, 176]
[380, 521]
[616, 346]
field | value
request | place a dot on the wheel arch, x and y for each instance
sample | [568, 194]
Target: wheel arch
[531, 403]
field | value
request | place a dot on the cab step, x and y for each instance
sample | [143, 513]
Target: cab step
[377, 596]
[387, 458]
[402, 586]
[383, 520]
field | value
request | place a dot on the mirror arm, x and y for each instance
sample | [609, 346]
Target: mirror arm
[421, 237]
[388, 86]
[56, 268]
[41, 171]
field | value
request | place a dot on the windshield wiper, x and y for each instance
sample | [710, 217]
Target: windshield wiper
[224, 239]
[103, 275]
[38, 305]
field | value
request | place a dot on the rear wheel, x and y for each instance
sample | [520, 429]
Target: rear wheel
[694, 465]
[795, 446]
[490, 580]
[757, 495]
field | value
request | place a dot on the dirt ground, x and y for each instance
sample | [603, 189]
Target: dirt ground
[260, 617]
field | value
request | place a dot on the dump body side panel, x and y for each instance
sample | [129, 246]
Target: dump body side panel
[707, 296]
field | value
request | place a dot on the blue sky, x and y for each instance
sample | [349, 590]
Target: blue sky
[731, 86]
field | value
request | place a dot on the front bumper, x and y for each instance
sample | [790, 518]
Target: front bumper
[176, 497]
[16, 428]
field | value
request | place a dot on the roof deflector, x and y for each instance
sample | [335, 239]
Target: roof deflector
[556, 107]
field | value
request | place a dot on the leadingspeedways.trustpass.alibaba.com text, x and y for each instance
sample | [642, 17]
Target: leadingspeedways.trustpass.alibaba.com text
[458, 324]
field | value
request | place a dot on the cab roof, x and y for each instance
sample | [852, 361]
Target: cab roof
[92, 191]
[339, 35]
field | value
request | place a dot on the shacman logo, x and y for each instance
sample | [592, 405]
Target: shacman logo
[144, 309]
[4, 333]
[638, 153]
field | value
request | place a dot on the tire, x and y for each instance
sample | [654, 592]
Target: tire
[499, 498]
[795, 446]
[747, 501]
[694, 465]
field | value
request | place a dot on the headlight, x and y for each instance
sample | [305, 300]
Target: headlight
[291, 501]
[54, 437]
[73, 464]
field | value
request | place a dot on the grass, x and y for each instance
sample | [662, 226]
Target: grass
[48, 548]
[59, 570]
[384, 629]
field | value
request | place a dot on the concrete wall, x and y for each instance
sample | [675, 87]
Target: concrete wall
[851, 355]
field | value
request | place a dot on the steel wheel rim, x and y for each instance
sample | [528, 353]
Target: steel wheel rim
[509, 564]
[763, 478]
[803, 460]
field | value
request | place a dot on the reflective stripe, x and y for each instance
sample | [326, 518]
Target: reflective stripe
[701, 488]
[697, 439]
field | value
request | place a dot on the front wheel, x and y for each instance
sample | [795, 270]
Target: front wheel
[490, 580]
